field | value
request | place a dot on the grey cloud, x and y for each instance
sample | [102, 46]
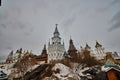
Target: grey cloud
[3, 26]
[112, 4]
[115, 22]
[69, 21]
[24, 23]
[115, 2]
[16, 25]
[29, 31]
[9, 47]
[108, 6]
[13, 25]
[0, 32]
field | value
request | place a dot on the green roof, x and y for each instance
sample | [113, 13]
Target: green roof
[98, 45]
[111, 64]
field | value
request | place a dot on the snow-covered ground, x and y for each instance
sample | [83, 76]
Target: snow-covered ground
[61, 71]
[65, 72]
[32, 68]
[7, 68]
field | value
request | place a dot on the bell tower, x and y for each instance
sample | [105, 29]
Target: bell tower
[55, 47]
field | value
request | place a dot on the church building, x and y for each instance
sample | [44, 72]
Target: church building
[56, 49]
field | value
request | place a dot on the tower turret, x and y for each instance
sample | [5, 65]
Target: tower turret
[99, 48]
[87, 47]
[99, 51]
[56, 36]
[72, 50]
[71, 46]
[98, 45]
[44, 52]
[55, 48]
[56, 32]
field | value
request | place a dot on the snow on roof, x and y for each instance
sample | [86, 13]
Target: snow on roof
[112, 68]
[106, 69]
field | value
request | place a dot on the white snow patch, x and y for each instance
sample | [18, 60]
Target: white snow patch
[64, 71]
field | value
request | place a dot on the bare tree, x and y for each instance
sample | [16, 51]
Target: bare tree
[88, 59]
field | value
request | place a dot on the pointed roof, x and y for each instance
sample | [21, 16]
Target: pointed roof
[44, 47]
[87, 46]
[56, 30]
[65, 53]
[109, 63]
[98, 45]
[71, 45]
[11, 53]
[44, 52]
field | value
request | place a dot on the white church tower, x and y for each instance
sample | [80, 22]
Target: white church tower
[55, 48]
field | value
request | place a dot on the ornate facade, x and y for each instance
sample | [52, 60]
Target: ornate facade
[56, 49]
[100, 54]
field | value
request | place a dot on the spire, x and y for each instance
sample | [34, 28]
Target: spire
[11, 53]
[87, 46]
[98, 45]
[44, 52]
[72, 52]
[44, 47]
[56, 33]
[71, 45]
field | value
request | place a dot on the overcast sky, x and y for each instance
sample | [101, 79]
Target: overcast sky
[30, 23]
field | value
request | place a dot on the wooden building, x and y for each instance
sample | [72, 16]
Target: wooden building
[113, 74]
